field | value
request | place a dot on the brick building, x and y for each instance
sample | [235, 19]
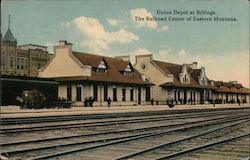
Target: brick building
[24, 60]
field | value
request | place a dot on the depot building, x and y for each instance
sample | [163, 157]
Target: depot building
[81, 76]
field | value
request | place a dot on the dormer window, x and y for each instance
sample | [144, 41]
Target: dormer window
[128, 70]
[203, 80]
[102, 68]
[202, 77]
[185, 79]
[184, 76]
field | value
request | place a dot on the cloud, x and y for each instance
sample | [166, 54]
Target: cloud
[141, 51]
[50, 46]
[65, 24]
[98, 38]
[182, 52]
[162, 29]
[114, 22]
[143, 13]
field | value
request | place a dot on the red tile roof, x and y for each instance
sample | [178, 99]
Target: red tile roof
[115, 68]
[227, 87]
[219, 86]
[175, 69]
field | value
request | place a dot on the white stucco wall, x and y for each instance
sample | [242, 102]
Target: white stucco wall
[154, 75]
[64, 64]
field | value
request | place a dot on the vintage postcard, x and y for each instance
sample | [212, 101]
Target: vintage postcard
[124, 79]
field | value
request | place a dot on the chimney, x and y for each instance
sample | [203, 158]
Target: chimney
[194, 65]
[63, 47]
[64, 43]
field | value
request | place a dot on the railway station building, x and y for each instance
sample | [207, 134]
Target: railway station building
[183, 84]
[81, 76]
[230, 92]
[187, 84]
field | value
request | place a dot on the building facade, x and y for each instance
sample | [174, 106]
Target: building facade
[186, 84]
[24, 60]
[230, 92]
[82, 76]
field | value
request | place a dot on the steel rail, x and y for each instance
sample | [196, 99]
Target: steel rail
[117, 132]
[105, 123]
[40, 119]
[180, 140]
[130, 139]
[202, 147]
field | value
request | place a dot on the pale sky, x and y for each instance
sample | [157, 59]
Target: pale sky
[108, 27]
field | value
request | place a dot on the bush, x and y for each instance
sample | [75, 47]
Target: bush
[33, 99]
[171, 105]
[218, 101]
[244, 101]
[232, 101]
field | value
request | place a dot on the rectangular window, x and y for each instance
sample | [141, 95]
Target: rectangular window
[131, 94]
[18, 66]
[114, 94]
[101, 70]
[123, 94]
[78, 93]
[179, 95]
[22, 63]
[11, 60]
[95, 93]
[26, 64]
[69, 93]
[139, 95]
[105, 93]
[175, 95]
[4, 61]
[148, 94]
[194, 96]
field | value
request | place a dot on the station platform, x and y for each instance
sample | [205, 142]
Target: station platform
[16, 112]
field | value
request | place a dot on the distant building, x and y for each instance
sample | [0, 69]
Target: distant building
[24, 60]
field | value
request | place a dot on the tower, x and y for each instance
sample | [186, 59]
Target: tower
[8, 51]
[8, 37]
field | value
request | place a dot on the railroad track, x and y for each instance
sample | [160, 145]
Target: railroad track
[193, 144]
[120, 137]
[112, 150]
[29, 120]
[19, 128]
[236, 148]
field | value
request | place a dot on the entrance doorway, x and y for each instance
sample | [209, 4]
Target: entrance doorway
[139, 96]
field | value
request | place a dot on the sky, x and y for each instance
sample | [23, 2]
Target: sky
[110, 28]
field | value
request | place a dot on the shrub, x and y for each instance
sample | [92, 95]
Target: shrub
[232, 101]
[33, 99]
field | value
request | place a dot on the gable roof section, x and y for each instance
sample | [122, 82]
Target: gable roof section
[175, 69]
[114, 74]
[226, 87]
